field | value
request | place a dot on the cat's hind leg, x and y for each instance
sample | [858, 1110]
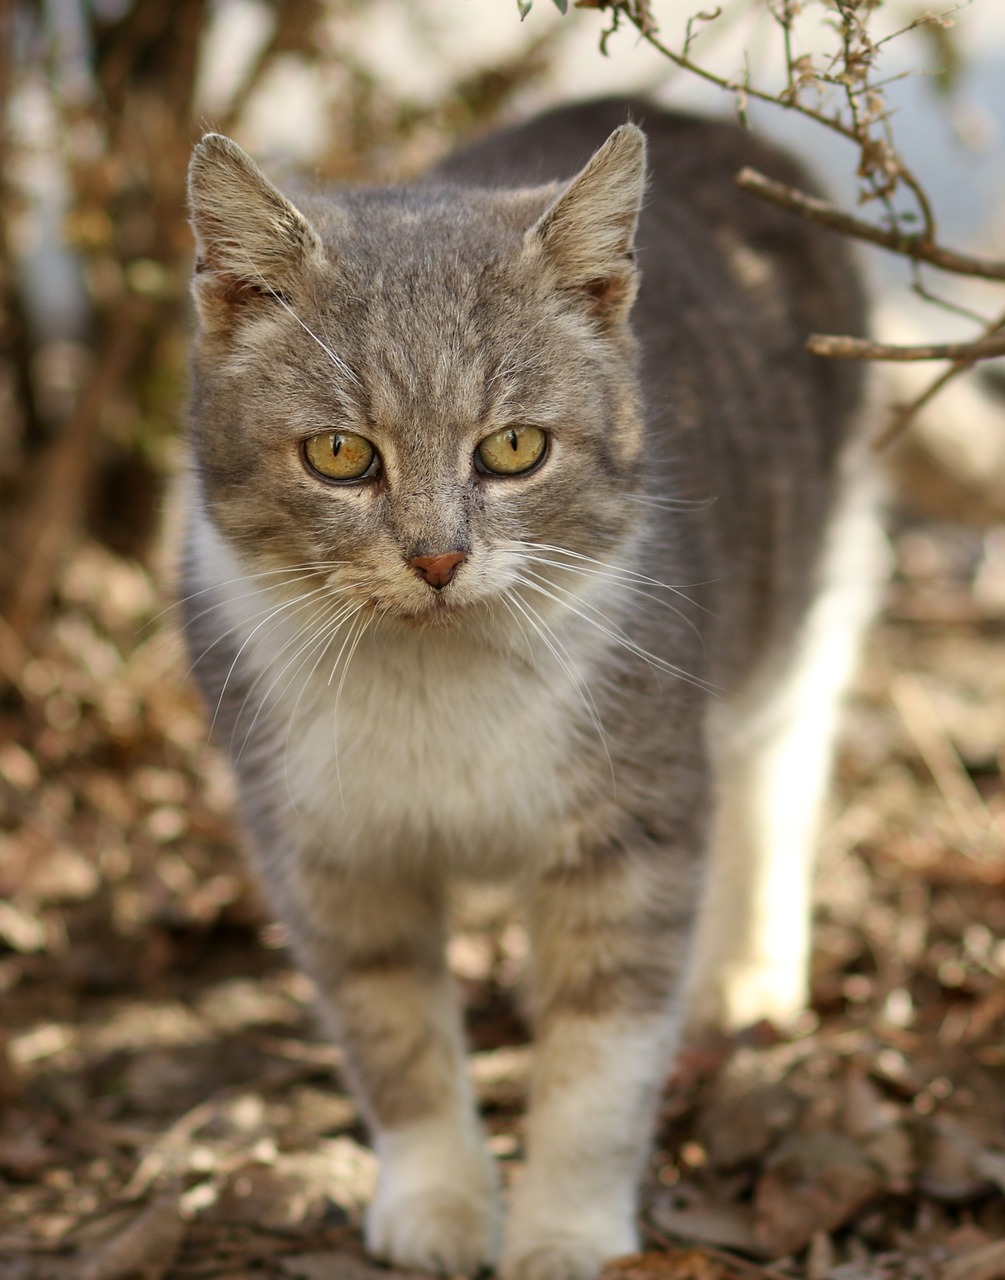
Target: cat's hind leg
[773, 751]
[374, 947]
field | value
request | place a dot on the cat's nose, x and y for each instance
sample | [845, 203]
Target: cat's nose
[438, 570]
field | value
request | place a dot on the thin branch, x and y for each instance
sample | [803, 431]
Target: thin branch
[911, 246]
[846, 348]
[637, 12]
[905, 413]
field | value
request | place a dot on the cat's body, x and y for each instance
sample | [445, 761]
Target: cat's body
[607, 671]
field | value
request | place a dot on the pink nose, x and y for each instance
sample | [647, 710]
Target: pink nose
[438, 570]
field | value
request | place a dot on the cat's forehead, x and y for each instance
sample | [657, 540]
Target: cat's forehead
[432, 310]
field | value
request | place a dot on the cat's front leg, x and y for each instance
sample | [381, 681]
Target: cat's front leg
[610, 936]
[375, 949]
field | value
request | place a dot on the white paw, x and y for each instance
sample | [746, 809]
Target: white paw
[575, 1254]
[440, 1229]
[741, 995]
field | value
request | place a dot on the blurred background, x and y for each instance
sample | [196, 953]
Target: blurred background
[163, 1088]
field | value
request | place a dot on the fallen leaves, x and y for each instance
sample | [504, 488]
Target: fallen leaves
[171, 1107]
[143, 1249]
[812, 1182]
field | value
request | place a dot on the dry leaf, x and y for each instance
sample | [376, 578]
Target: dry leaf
[987, 1263]
[814, 1182]
[669, 1264]
[146, 1247]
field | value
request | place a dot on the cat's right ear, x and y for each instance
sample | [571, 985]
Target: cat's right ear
[252, 244]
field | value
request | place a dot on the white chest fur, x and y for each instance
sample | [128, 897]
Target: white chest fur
[419, 744]
[430, 749]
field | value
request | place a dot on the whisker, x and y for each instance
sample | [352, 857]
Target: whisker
[613, 632]
[667, 503]
[615, 577]
[504, 598]
[509, 370]
[355, 639]
[235, 599]
[288, 604]
[320, 636]
[564, 660]
[633, 574]
[347, 615]
[291, 573]
[201, 657]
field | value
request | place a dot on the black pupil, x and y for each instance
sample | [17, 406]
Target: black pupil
[511, 436]
[336, 445]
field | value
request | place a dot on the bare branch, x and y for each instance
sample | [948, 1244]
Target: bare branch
[905, 413]
[847, 348]
[880, 165]
[911, 246]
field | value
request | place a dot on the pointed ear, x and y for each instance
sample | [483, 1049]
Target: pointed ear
[251, 242]
[588, 233]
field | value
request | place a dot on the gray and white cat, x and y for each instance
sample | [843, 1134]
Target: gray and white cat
[525, 542]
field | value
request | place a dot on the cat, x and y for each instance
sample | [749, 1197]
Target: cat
[525, 542]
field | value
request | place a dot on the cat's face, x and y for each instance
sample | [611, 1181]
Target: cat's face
[424, 400]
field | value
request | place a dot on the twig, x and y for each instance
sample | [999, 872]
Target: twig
[906, 413]
[847, 348]
[937, 750]
[637, 12]
[820, 211]
[65, 472]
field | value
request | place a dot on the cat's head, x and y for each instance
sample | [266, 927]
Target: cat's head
[424, 396]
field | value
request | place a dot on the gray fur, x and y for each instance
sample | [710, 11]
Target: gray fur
[558, 726]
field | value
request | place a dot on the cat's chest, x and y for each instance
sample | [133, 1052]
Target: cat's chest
[441, 749]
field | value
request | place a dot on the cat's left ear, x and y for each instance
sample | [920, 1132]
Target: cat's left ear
[588, 233]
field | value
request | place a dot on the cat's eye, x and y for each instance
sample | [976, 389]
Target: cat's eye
[341, 455]
[512, 451]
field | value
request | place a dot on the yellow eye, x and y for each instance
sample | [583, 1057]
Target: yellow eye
[341, 455]
[511, 452]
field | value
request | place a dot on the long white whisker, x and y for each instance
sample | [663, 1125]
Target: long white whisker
[516, 618]
[291, 573]
[666, 503]
[614, 576]
[244, 595]
[613, 632]
[347, 613]
[298, 602]
[609, 568]
[564, 660]
[318, 636]
[355, 639]
[201, 657]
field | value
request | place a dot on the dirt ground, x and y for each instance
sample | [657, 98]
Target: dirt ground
[171, 1110]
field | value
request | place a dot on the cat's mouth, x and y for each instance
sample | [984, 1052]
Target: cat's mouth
[439, 612]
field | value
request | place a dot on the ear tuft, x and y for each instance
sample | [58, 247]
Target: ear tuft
[588, 233]
[251, 242]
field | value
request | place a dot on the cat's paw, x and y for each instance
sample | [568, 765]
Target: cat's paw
[570, 1255]
[441, 1229]
[741, 995]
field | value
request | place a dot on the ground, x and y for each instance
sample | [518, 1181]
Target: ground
[171, 1109]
